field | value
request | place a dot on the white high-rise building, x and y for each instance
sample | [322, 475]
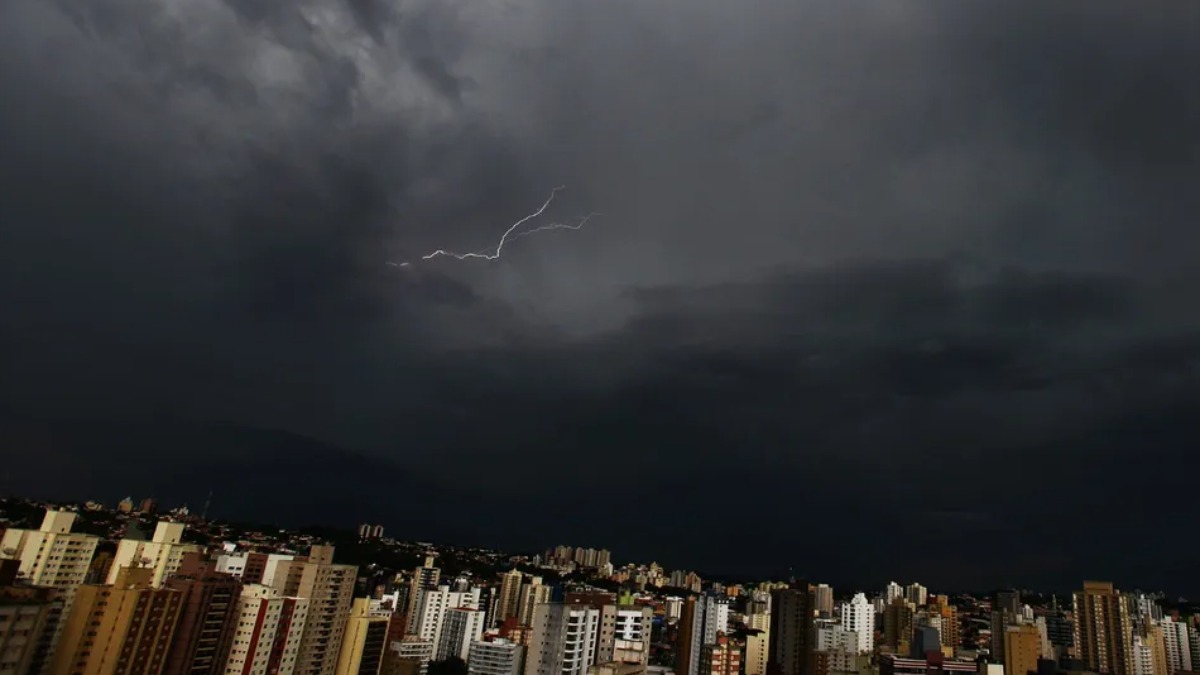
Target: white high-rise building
[624, 634]
[711, 617]
[498, 657]
[434, 605]
[460, 627]
[839, 646]
[891, 592]
[266, 618]
[1177, 641]
[674, 607]
[916, 594]
[52, 556]
[1143, 657]
[163, 553]
[564, 639]
[858, 616]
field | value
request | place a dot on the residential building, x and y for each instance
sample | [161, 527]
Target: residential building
[509, 598]
[51, 556]
[792, 612]
[329, 589]
[1103, 632]
[461, 626]
[703, 618]
[858, 616]
[425, 577]
[721, 657]
[823, 600]
[564, 639]
[163, 554]
[625, 634]
[1176, 640]
[916, 594]
[207, 617]
[1022, 649]
[435, 604]
[363, 641]
[533, 594]
[409, 655]
[126, 627]
[25, 613]
[497, 657]
[267, 633]
[757, 648]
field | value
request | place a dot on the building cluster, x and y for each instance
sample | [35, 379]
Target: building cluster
[151, 602]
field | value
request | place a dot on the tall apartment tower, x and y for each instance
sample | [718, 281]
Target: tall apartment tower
[435, 605]
[858, 616]
[722, 657]
[24, 611]
[758, 645]
[329, 589]
[892, 591]
[624, 634]
[792, 612]
[267, 634]
[122, 628]
[823, 599]
[564, 639]
[1176, 639]
[704, 617]
[1022, 649]
[163, 554]
[1103, 632]
[363, 642]
[460, 627]
[533, 594]
[206, 619]
[498, 657]
[51, 556]
[510, 595]
[424, 577]
[898, 622]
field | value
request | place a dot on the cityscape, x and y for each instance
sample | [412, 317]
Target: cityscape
[90, 588]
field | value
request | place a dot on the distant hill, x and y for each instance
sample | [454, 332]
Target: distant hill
[254, 473]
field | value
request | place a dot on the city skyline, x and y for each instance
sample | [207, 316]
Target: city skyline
[917, 276]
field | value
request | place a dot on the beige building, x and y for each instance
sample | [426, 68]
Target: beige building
[24, 612]
[266, 619]
[329, 589]
[162, 554]
[122, 629]
[1103, 631]
[533, 594]
[510, 595]
[758, 646]
[51, 556]
[624, 634]
[1022, 649]
[363, 641]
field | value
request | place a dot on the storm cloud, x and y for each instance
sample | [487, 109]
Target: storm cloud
[939, 257]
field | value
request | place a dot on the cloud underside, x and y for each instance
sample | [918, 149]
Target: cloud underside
[925, 270]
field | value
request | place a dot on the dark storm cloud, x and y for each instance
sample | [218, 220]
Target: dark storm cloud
[938, 257]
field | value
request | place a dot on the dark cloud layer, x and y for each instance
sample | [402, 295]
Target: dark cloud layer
[879, 291]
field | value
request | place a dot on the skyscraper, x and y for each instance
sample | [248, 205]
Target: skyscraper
[703, 618]
[267, 633]
[425, 577]
[329, 589]
[363, 642]
[916, 594]
[721, 657]
[207, 617]
[1022, 649]
[461, 626]
[436, 604]
[823, 599]
[564, 639]
[1176, 640]
[858, 616]
[791, 630]
[510, 595]
[533, 594]
[51, 556]
[898, 625]
[125, 627]
[625, 634]
[24, 612]
[163, 553]
[1103, 631]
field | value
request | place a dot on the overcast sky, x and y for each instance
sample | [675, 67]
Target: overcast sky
[880, 289]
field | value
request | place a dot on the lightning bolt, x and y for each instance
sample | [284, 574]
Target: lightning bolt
[511, 234]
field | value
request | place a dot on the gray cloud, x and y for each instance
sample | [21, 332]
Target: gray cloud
[867, 243]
